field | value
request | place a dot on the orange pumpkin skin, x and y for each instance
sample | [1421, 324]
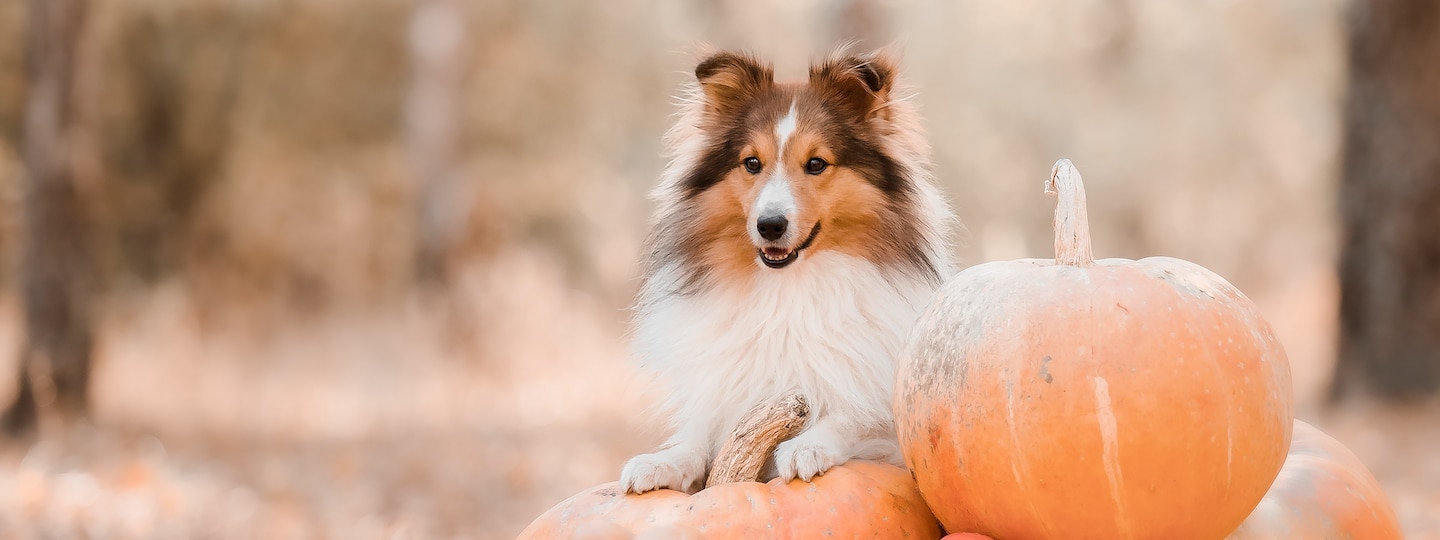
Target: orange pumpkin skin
[1044, 400]
[1324, 492]
[855, 500]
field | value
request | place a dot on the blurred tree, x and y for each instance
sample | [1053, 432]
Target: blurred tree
[433, 114]
[55, 359]
[171, 83]
[1390, 203]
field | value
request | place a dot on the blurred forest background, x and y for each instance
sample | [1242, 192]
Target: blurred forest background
[355, 270]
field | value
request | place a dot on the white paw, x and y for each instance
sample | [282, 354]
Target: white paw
[673, 468]
[808, 455]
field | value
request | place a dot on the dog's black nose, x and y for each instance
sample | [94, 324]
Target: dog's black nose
[772, 227]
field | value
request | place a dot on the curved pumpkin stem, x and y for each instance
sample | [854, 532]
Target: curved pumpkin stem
[1072, 221]
[752, 442]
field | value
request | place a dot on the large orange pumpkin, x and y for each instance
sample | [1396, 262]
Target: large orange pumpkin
[854, 500]
[1323, 492]
[857, 499]
[1074, 398]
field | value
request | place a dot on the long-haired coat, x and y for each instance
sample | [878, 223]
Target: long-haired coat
[797, 238]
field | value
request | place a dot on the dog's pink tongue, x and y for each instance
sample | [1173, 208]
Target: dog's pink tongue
[776, 253]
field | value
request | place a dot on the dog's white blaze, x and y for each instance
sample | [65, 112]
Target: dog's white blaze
[776, 198]
[1105, 415]
[784, 129]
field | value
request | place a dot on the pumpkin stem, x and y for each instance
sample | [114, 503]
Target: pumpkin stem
[1072, 221]
[752, 442]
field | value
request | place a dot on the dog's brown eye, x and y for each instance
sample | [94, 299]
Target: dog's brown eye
[815, 166]
[752, 165]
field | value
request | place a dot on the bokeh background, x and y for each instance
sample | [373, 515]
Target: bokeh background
[361, 269]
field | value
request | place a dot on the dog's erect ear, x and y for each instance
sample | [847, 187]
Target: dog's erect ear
[730, 79]
[858, 83]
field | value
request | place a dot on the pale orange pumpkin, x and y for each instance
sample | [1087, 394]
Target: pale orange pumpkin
[1323, 492]
[857, 499]
[1074, 398]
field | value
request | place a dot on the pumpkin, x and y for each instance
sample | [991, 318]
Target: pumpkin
[1323, 492]
[857, 499]
[1075, 398]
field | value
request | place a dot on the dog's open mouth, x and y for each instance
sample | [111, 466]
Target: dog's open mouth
[778, 257]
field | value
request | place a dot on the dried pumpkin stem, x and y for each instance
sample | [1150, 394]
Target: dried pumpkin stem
[752, 442]
[1072, 220]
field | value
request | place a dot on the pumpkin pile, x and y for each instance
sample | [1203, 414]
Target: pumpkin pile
[1082, 398]
[1056, 398]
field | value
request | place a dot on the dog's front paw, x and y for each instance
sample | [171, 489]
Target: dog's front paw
[674, 468]
[806, 456]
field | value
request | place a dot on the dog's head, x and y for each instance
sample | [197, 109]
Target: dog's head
[789, 169]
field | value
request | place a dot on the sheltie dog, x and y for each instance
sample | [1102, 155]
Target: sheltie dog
[797, 238]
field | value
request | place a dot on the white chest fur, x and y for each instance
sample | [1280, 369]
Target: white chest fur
[830, 326]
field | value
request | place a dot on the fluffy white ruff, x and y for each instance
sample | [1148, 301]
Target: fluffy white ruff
[830, 325]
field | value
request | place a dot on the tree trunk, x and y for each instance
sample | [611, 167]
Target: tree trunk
[433, 118]
[55, 359]
[1390, 204]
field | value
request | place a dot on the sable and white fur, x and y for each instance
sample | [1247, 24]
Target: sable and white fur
[727, 332]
